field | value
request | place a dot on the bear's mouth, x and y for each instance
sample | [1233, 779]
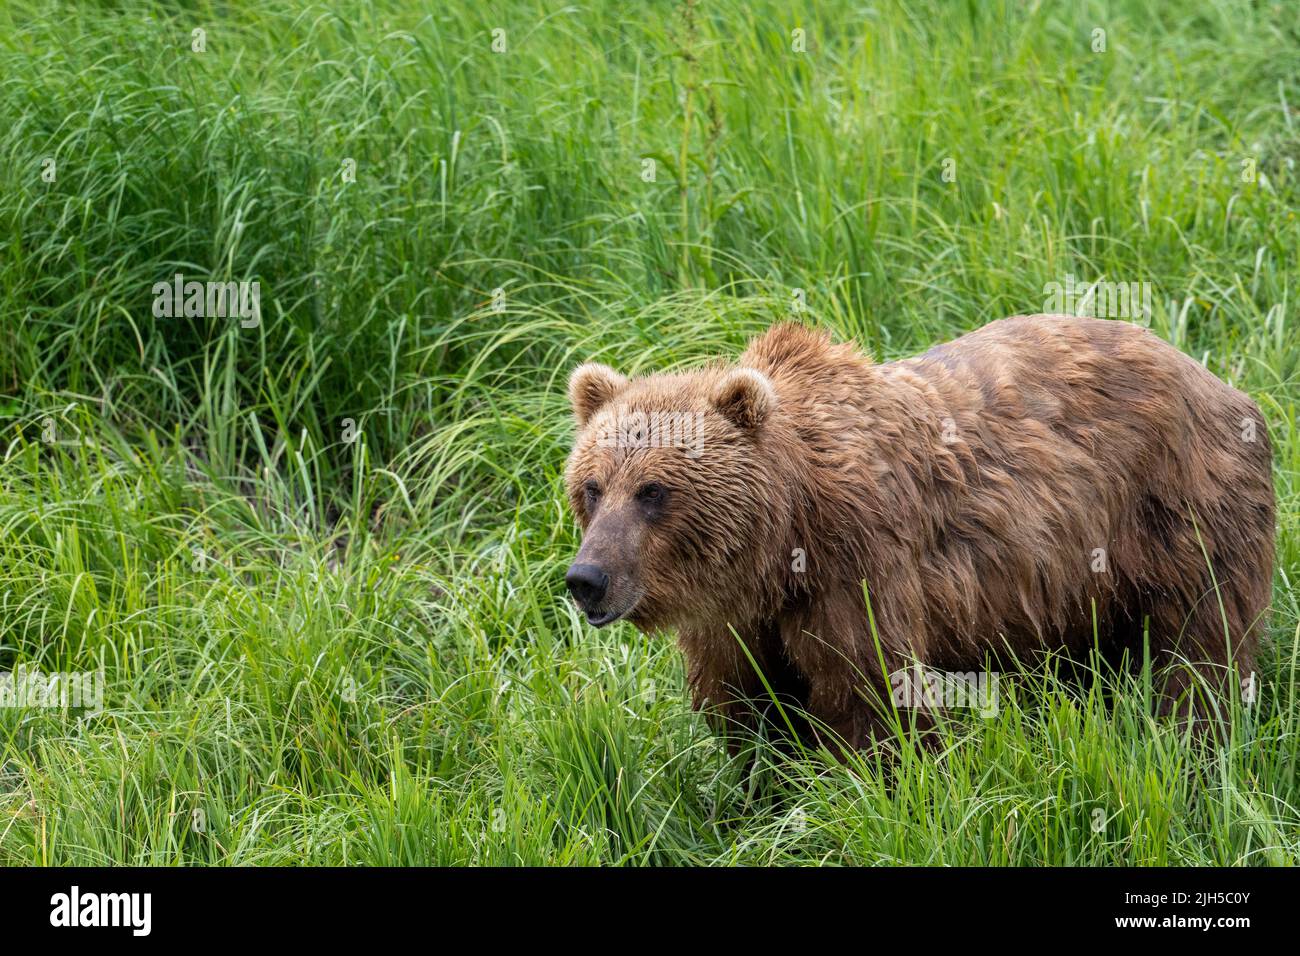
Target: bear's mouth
[602, 617]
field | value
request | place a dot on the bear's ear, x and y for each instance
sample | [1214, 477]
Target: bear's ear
[745, 397]
[590, 387]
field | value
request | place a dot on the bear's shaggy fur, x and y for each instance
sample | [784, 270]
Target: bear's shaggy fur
[1013, 489]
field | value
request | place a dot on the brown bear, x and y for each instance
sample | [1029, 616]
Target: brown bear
[1043, 483]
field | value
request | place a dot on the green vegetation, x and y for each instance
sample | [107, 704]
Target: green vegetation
[319, 557]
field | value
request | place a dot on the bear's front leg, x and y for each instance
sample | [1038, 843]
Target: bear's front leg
[746, 691]
[848, 674]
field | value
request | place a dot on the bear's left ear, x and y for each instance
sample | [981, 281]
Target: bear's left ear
[745, 397]
[591, 386]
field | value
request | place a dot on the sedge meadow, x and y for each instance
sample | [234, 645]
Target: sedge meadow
[316, 560]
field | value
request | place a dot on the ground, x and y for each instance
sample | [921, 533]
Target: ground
[318, 552]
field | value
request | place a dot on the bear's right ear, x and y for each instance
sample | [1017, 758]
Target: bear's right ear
[590, 387]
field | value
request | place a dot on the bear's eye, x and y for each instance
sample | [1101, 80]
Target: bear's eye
[592, 491]
[651, 493]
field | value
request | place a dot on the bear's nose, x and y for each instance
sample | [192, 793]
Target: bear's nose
[588, 584]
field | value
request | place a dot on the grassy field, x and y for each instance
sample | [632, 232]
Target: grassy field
[318, 553]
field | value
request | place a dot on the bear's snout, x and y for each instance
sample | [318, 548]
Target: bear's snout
[588, 584]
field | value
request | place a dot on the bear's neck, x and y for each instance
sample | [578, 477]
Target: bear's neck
[867, 487]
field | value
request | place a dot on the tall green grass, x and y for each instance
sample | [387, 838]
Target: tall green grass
[333, 641]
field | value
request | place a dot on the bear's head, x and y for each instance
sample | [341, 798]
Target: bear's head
[674, 483]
